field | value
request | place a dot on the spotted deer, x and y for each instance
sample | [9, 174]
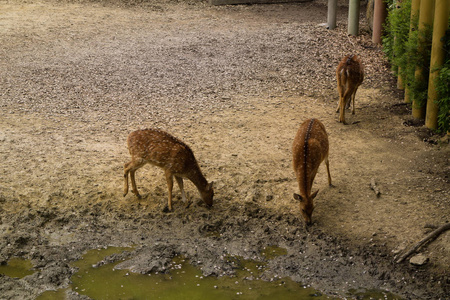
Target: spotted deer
[350, 75]
[309, 149]
[161, 149]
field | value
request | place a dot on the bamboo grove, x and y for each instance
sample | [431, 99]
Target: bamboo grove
[417, 44]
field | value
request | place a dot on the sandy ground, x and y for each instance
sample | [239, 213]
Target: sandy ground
[235, 83]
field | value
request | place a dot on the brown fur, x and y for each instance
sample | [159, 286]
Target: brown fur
[349, 75]
[309, 149]
[169, 153]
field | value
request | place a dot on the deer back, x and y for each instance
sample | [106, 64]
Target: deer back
[310, 148]
[163, 150]
[350, 70]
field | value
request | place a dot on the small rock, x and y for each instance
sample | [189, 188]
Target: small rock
[418, 260]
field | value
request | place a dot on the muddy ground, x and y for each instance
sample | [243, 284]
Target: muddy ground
[235, 83]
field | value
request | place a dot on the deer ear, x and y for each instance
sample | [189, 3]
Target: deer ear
[210, 185]
[298, 197]
[314, 194]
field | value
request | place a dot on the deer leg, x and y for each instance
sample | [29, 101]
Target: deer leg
[339, 102]
[342, 110]
[327, 163]
[169, 179]
[125, 175]
[183, 194]
[339, 105]
[349, 99]
[340, 90]
[131, 168]
[181, 186]
[344, 102]
[353, 100]
[133, 184]
[347, 105]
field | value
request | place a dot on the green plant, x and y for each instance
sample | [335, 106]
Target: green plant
[396, 35]
[419, 58]
[443, 87]
[408, 50]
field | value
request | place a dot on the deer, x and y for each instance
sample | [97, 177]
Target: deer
[309, 149]
[350, 75]
[159, 148]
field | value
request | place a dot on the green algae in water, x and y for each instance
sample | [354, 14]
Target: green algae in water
[17, 268]
[272, 252]
[53, 295]
[186, 282]
[183, 282]
[90, 258]
[95, 255]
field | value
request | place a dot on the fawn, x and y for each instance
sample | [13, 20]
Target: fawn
[350, 75]
[309, 149]
[169, 153]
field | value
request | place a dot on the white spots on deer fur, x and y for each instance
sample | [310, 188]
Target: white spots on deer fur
[161, 149]
[309, 150]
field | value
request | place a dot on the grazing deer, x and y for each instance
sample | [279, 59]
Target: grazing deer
[309, 149]
[350, 75]
[169, 153]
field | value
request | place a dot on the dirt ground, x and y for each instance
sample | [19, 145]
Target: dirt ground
[235, 83]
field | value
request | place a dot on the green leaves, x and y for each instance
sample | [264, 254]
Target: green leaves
[407, 49]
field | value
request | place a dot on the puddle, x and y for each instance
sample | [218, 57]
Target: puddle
[185, 281]
[272, 252]
[17, 268]
[53, 295]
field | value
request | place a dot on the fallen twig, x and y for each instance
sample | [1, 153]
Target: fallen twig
[374, 187]
[432, 236]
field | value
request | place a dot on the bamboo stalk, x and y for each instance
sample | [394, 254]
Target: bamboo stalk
[441, 13]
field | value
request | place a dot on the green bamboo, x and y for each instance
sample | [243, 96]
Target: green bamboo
[425, 19]
[353, 17]
[415, 10]
[400, 83]
[379, 17]
[441, 13]
[331, 18]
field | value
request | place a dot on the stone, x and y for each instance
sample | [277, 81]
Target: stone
[418, 260]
